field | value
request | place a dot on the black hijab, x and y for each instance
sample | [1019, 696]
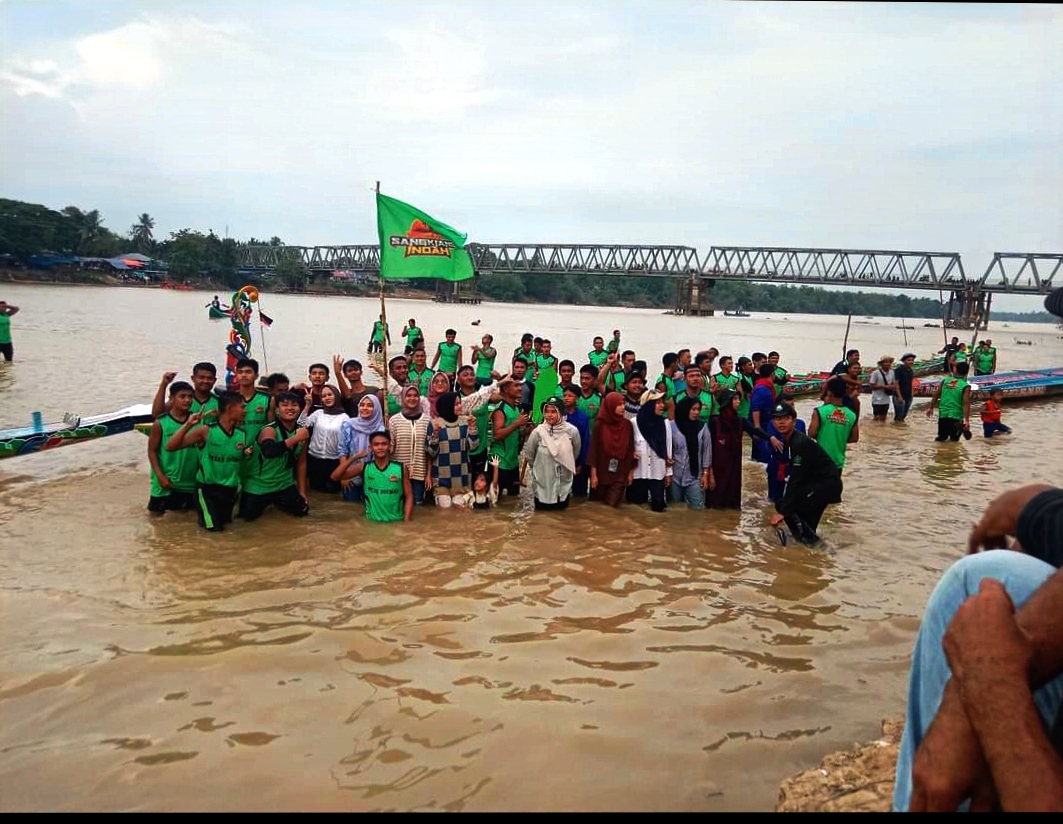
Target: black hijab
[446, 407]
[651, 425]
[690, 431]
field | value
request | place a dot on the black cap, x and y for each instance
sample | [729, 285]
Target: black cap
[1054, 302]
[783, 410]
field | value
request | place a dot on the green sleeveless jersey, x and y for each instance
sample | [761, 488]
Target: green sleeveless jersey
[272, 474]
[378, 332]
[180, 466]
[747, 386]
[423, 379]
[983, 359]
[211, 405]
[507, 450]
[222, 456]
[383, 492]
[589, 406]
[527, 357]
[256, 418]
[669, 385]
[950, 404]
[484, 364]
[708, 405]
[5, 329]
[448, 357]
[597, 359]
[728, 381]
[412, 333]
[835, 425]
[613, 345]
[546, 362]
[482, 414]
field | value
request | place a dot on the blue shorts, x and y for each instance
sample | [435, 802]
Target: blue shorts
[991, 429]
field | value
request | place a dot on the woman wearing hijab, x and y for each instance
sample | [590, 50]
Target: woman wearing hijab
[450, 441]
[612, 454]
[692, 450]
[550, 453]
[653, 447]
[409, 442]
[437, 387]
[323, 451]
[354, 446]
[726, 429]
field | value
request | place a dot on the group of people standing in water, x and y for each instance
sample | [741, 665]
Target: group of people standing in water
[470, 433]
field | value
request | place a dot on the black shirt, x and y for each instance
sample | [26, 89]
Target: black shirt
[809, 464]
[903, 375]
[840, 368]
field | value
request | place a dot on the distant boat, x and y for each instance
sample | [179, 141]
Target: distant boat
[905, 327]
[931, 325]
[738, 314]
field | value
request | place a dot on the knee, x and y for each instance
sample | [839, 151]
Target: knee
[1020, 574]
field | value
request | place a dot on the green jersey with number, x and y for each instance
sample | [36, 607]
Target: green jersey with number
[222, 456]
[383, 492]
[179, 467]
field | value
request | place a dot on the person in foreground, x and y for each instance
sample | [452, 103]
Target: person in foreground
[983, 728]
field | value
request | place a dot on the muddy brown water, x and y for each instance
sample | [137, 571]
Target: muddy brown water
[586, 660]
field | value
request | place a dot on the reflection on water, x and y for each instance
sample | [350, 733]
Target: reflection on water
[586, 660]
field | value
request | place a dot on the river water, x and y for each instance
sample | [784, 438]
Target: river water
[585, 660]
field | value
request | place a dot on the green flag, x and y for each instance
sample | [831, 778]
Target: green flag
[416, 245]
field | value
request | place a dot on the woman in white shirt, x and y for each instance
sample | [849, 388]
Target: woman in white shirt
[653, 449]
[326, 425]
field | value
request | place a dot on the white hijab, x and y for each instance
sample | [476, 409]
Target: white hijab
[559, 444]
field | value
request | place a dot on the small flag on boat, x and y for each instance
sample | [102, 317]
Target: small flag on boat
[266, 319]
[416, 245]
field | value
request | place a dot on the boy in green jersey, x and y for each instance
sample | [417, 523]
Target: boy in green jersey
[665, 382]
[614, 343]
[544, 360]
[695, 389]
[173, 474]
[258, 405]
[954, 397]
[419, 374]
[832, 425]
[507, 421]
[277, 473]
[746, 380]
[525, 351]
[388, 495]
[378, 335]
[448, 354]
[598, 356]
[412, 333]
[589, 401]
[780, 376]
[727, 378]
[483, 355]
[7, 349]
[204, 376]
[223, 451]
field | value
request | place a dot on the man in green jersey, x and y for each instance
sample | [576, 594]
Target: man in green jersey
[483, 355]
[448, 354]
[984, 359]
[204, 376]
[412, 332]
[388, 495]
[832, 425]
[726, 378]
[614, 343]
[526, 350]
[507, 422]
[953, 395]
[277, 473]
[992, 351]
[7, 349]
[378, 335]
[419, 374]
[747, 379]
[589, 401]
[613, 377]
[780, 376]
[544, 359]
[173, 474]
[695, 388]
[258, 405]
[223, 451]
[598, 356]
[665, 382]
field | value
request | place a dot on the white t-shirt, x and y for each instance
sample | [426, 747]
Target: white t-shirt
[325, 433]
[879, 397]
[650, 465]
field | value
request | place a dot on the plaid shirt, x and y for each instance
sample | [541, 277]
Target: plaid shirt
[450, 467]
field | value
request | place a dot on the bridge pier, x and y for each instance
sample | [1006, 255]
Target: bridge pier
[968, 309]
[693, 296]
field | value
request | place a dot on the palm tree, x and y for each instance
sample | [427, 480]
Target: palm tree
[140, 233]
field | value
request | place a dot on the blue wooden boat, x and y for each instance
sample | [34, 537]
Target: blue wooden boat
[1028, 384]
[72, 429]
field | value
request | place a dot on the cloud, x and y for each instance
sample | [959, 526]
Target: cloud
[932, 126]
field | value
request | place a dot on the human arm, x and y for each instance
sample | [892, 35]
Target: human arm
[854, 433]
[531, 446]
[407, 492]
[708, 479]
[154, 444]
[461, 350]
[341, 382]
[435, 357]
[10, 309]
[273, 448]
[501, 430]
[967, 407]
[813, 424]
[349, 468]
[934, 400]
[472, 435]
[158, 403]
[185, 437]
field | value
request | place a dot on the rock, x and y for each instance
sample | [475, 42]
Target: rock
[860, 780]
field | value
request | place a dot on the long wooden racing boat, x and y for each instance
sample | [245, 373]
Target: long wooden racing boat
[1029, 384]
[72, 429]
[216, 314]
[811, 383]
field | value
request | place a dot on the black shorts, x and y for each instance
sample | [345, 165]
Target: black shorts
[214, 507]
[949, 429]
[286, 500]
[173, 502]
[879, 410]
[8, 351]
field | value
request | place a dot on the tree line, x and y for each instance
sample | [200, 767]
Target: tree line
[28, 229]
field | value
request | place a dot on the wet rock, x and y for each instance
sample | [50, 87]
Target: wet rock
[859, 780]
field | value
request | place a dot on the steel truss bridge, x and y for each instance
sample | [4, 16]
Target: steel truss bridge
[1023, 273]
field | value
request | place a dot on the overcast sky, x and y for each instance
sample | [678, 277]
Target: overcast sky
[892, 126]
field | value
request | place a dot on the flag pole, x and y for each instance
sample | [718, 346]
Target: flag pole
[383, 316]
[262, 334]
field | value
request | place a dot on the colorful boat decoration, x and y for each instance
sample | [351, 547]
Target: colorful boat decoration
[72, 429]
[216, 314]
[809, 384]
[1017, 385]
